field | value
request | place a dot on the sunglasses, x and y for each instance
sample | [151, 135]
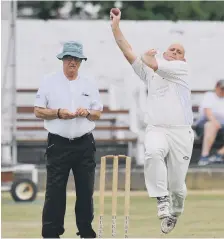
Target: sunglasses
[72, 58]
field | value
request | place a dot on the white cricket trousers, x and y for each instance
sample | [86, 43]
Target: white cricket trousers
[168, 152]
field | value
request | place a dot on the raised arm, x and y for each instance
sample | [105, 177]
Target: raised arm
[119, 37]
[137, 64]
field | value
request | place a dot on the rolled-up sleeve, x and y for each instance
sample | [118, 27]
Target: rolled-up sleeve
[207, 101]
[41, 96]
[96, 103]
[143, 71]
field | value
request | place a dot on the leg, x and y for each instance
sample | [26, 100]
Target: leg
[155, 169]
[84, 175]
[221, 151]
[55, 197]
[219, 156]
[140, 149]
[210, 133]
[181, 145]
[140, 154]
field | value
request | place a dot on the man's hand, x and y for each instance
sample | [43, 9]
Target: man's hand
[115, 19]
[115, 16]
[149, 59]
[151, 52]
[66, 114]
[80, 112]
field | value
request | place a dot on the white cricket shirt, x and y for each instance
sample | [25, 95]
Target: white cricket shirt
[215, 103]
[169, 94]
[56, 91]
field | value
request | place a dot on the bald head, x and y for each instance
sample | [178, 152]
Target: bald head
[175, 52]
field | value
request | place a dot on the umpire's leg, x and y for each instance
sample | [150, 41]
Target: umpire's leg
[55, 198]
[84, 175]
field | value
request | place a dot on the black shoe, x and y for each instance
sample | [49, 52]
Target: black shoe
[88, 234]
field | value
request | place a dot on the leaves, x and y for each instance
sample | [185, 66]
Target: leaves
[135, 10]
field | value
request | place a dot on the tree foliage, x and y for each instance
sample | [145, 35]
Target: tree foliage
[135, 10]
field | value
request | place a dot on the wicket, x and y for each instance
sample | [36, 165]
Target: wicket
[114, 192]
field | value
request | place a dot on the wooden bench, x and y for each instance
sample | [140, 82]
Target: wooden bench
[108, 140]
[111, 120]
[30, 110]
[34, 90]
[28, 116]
[38, 128]
[27, 125]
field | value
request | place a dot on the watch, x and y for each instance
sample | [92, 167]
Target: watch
[88, 113]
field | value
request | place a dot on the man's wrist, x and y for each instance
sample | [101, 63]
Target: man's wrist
[115, 28]
[88, 113]
[58, 113]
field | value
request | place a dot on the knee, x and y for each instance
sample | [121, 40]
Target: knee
[178, 190]
[155, 154]
[210, 126]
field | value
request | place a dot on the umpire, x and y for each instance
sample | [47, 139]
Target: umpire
[69, 103]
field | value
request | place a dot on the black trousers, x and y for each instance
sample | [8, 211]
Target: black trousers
[63, 155]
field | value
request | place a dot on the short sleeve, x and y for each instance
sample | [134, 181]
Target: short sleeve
[207, 101]
[41, 96]
[173, 70]
[143, 71]
[96, 103]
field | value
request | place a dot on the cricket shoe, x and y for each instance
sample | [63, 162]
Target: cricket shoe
[168, 224]
[163, 207]
[217, 158]
[204, 160]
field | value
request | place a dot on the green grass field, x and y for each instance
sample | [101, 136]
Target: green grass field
[203, 217]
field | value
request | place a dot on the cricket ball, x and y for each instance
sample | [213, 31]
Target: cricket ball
[115, 11]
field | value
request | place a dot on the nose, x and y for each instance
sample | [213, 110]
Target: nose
[73, 61]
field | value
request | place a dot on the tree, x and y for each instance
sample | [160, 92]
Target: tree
[136, 10]
[43, 9]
